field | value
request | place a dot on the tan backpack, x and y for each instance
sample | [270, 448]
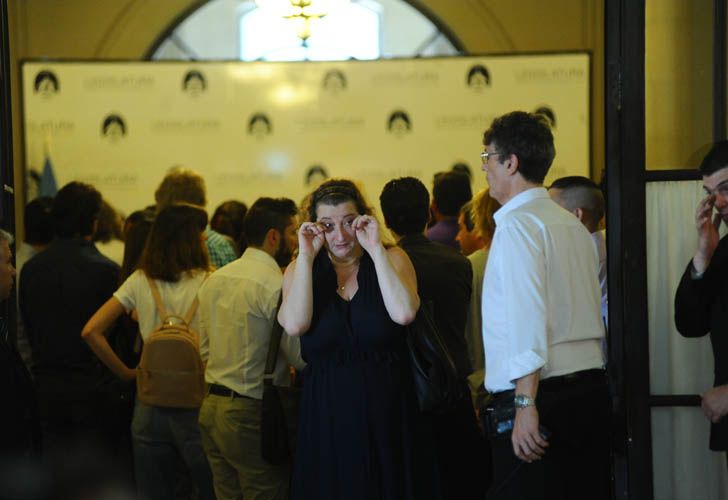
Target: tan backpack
[170, 373]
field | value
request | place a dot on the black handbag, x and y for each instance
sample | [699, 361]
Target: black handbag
[279, 409]
[436, 381]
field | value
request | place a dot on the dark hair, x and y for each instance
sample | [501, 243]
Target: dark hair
[335, 72]
[113, 119]
[266, 214]
[228, 220]
[193, 73]
[335, 191]
[479, 69]
[573, 181]
[463, 168]
[450, 192]
[110, 226]
[528, 136]
[405, 205]
[181, 185]
[174, 245]
[38, 221]
[548, 113]
[75, 209]
[315, 169]
[401, 115]
[581, 192]
[259, 117]
[45, 75]
[716, 159]
[136, 230]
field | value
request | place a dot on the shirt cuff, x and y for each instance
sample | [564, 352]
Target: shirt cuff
[524, 364]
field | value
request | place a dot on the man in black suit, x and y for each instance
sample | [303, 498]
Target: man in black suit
[444, 283]
[60, 288]
[701, 298]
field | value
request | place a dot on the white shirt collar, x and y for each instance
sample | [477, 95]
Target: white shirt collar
[519, 200]
[262, 257]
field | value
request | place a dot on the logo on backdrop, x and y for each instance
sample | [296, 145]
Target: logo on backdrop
[194, 83]
[259, 125]
[464, 121]
[315, 175]
[334, 81]
[411, 78]
[125, 82]
[46, 83]
[478, 77]
[552, 75]
[399, 123]
[113, 127]
[547, 113]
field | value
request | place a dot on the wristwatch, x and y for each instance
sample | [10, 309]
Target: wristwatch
[523, 401]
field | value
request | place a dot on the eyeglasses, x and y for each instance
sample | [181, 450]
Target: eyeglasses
[485, 155]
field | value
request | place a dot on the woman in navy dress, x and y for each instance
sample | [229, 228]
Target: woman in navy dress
[361, 436]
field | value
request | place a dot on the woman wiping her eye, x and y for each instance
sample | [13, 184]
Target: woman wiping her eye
[349, 297]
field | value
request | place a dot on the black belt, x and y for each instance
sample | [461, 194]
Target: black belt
[221, 390]
[570, 378]
[551, 383]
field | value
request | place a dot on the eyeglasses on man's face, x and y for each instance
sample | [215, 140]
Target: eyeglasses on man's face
[485, 155]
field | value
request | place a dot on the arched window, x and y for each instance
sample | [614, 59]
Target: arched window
[360, 29]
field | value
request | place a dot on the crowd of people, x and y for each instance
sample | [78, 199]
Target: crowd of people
[514, 277]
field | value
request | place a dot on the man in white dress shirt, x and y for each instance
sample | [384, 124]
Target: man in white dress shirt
[238, 306]
[542, 329]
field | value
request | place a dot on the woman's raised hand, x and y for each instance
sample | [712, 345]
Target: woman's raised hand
[366, 228]
[310, 239]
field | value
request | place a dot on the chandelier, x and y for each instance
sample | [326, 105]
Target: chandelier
[302, 13]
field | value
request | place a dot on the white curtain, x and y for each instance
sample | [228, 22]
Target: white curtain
[684, 467]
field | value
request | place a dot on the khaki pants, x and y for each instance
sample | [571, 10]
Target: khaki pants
[230, 430]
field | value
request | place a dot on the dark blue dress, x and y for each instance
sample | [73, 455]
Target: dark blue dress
[361, 436]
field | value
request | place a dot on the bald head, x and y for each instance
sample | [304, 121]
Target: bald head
[580, 196]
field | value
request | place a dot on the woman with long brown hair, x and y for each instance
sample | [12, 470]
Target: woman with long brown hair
[175, 259]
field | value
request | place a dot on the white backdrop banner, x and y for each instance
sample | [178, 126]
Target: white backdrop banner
[272, 129]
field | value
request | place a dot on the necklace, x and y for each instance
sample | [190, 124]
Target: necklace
[342, 287]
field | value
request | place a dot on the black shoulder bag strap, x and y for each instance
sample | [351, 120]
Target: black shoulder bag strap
[274, 346]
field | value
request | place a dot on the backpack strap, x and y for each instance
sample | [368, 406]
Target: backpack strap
[193, 307]
[157, 298]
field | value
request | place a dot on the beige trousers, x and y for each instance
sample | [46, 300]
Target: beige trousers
[230, 429]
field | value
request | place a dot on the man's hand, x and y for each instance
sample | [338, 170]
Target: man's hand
[708, 236]
[528, 444]
[715, 403]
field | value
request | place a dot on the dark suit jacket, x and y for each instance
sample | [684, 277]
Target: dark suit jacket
[701, 307]
[60, 289]
[444, 278]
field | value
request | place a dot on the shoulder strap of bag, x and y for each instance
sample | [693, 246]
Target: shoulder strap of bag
[275, 343]
[193, 307]
[157, 298]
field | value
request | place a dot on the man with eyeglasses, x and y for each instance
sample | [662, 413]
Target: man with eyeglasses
[701, 298]
[549, 420]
